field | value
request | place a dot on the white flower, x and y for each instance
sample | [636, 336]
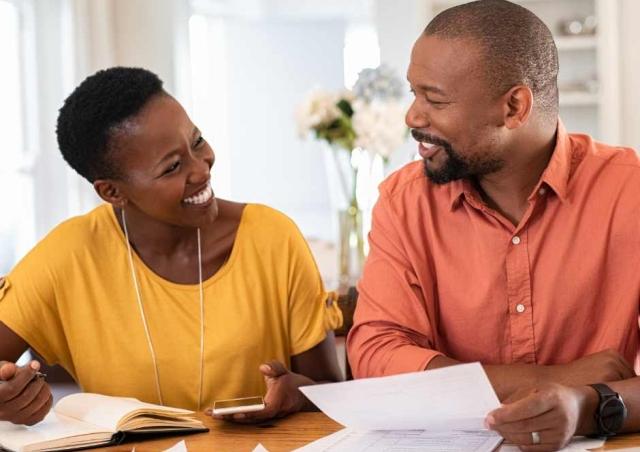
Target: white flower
[318, 108]
[380, 83]
[379, 126]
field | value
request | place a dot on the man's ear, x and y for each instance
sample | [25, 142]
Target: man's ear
[518, 103]
[110, 192]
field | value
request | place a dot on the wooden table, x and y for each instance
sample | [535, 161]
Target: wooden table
[281, 435]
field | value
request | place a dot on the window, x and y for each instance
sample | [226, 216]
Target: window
[16, 175]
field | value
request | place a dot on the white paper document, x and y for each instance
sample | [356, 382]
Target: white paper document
[450, 398]
[577, 444]
[180, 446]
[348, 440]
[439, 410]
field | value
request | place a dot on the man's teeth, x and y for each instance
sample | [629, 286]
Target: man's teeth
[202, 197]
[427, 145]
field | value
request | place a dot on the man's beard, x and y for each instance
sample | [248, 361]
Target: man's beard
[455, 166]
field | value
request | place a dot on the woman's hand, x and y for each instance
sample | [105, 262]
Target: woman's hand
[544, 418]
[24, 397]
[283, 396]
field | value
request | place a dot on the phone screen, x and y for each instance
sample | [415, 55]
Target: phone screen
[242, 405]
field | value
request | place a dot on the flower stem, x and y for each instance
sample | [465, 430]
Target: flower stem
[341, 176]
[353, 204]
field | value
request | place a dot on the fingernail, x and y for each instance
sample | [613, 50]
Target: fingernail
[35, 365]
[489, 421]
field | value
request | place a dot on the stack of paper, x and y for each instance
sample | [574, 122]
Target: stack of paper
[440, 410]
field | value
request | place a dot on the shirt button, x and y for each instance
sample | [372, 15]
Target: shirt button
[542, 191]
[520, 308]
[515, 240]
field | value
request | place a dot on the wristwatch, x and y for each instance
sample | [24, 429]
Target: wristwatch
[611, 412]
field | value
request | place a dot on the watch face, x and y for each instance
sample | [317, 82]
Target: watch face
[612, 414]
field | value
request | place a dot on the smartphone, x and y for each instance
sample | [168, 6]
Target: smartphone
[241, 405]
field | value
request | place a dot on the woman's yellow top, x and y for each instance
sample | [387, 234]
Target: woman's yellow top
[72, 299]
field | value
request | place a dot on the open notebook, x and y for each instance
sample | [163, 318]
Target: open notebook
[91, 420]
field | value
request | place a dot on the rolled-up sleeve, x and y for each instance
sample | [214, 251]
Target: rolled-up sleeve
[392, 331]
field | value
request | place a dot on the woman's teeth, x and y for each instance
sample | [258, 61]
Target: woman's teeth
[202, 197]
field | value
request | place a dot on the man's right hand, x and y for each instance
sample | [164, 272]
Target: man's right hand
[601, 367]
[24, 398]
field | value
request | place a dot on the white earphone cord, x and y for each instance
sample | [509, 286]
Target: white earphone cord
[144, 318]
[201, 319]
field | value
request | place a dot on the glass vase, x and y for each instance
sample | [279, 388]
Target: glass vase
[351, 243]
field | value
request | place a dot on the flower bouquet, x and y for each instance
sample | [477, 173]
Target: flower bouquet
[367, 121]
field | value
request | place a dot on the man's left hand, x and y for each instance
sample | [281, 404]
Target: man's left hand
[282, 398]
[549, 415]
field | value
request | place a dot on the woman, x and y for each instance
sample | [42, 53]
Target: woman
[163, 293]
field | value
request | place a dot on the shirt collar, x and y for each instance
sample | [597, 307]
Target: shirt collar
[556, 174]
[457, 190]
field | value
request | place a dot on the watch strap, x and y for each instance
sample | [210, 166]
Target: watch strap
[605, 393]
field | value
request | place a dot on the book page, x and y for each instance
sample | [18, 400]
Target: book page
[53, 428]
[348, 440]
[110, 412]
[451, 398]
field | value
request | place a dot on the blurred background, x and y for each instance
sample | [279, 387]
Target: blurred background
[241, 68]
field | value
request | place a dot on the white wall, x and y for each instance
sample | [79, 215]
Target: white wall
[630, 72]
[272, 64]
[398, 28]
[152, 34]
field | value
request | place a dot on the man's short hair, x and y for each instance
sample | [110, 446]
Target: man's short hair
[91, 114]
[518, 47]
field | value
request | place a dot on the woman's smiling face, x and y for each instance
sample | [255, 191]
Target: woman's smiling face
[165, 165]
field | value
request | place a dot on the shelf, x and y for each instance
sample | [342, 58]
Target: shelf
[578, 42]
[578, 99]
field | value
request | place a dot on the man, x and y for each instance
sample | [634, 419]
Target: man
[520, 247]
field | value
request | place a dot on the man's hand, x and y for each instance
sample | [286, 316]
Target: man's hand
[283, 396]
[601, 367]
[554, 412]
[24, 398]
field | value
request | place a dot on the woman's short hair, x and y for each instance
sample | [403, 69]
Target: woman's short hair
[93, 112]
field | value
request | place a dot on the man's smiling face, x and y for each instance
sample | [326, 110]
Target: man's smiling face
[455, 116]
